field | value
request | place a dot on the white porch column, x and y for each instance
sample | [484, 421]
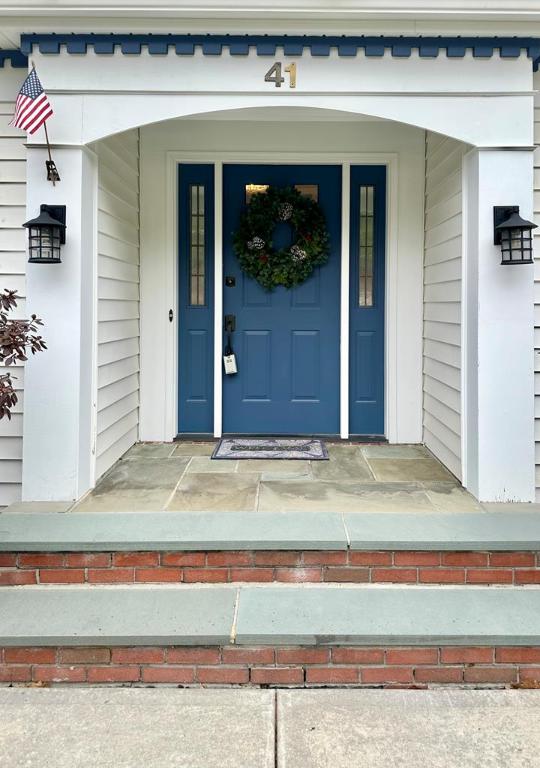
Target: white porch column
[498, 303]
[59, 421]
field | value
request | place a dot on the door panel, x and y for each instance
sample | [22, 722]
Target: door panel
[309, 293]
[305, 365]
[196, 299]
[197, 371]
[257, 348]
[286, 341]
[367, 294]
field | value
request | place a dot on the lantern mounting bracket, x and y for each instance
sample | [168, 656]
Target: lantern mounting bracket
[500, 213]
[57, 212]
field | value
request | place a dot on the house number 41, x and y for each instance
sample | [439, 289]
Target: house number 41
[274, 75]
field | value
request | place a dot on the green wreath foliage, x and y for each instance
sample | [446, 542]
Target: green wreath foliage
[253, 239]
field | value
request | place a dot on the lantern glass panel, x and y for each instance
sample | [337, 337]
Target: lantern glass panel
[516, 245]
[34, 242]
[515, 239]
[44, 243]
[46, 237]
[527, 244]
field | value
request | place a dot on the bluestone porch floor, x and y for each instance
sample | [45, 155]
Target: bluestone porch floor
[182, 477]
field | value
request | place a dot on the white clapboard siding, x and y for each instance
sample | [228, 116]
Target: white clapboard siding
[442, 300]
[12, 276]
[537, 281]
[118, 298]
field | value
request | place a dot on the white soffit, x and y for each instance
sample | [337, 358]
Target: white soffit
[285, 114]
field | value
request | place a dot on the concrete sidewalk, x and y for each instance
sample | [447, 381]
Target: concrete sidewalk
[171, 728]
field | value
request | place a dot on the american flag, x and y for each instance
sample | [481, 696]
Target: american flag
[32, 107]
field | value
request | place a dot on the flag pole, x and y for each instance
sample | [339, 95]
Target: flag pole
[25, 115]
[52, 171]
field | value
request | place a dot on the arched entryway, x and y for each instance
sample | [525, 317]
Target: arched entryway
[313, 137]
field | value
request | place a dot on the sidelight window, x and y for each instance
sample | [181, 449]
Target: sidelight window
[197, 245]
[366, 247]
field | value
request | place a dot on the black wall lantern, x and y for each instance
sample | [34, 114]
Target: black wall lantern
[46, 233]
[513, 234]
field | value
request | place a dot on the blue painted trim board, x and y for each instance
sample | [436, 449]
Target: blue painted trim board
[292, 45]
[17, 59]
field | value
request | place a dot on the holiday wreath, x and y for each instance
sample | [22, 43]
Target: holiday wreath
[253, 239]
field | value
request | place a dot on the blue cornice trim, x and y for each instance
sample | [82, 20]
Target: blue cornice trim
[293, 45]
[18, 60]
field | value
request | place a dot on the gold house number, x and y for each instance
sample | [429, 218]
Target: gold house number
[274, 75]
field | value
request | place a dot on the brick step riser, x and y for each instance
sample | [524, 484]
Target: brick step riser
[409, 667]
[348, 566]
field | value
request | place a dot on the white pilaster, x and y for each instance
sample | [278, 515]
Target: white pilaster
[498, 379]
[59, 408]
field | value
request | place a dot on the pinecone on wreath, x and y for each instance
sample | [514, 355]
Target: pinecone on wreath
[285, 211]
[257, 244]
[297, 253]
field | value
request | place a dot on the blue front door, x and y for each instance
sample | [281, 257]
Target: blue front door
[286, 341]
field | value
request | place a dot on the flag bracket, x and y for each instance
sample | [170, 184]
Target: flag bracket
[52, 170]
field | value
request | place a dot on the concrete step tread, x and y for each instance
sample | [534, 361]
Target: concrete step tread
[269, 615]
[55, 532]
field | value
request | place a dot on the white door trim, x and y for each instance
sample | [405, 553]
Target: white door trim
[345, 300]
[218, 297]
[174, 158]
[391, 302]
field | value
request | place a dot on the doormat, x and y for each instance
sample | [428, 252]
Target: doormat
[309, 449]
